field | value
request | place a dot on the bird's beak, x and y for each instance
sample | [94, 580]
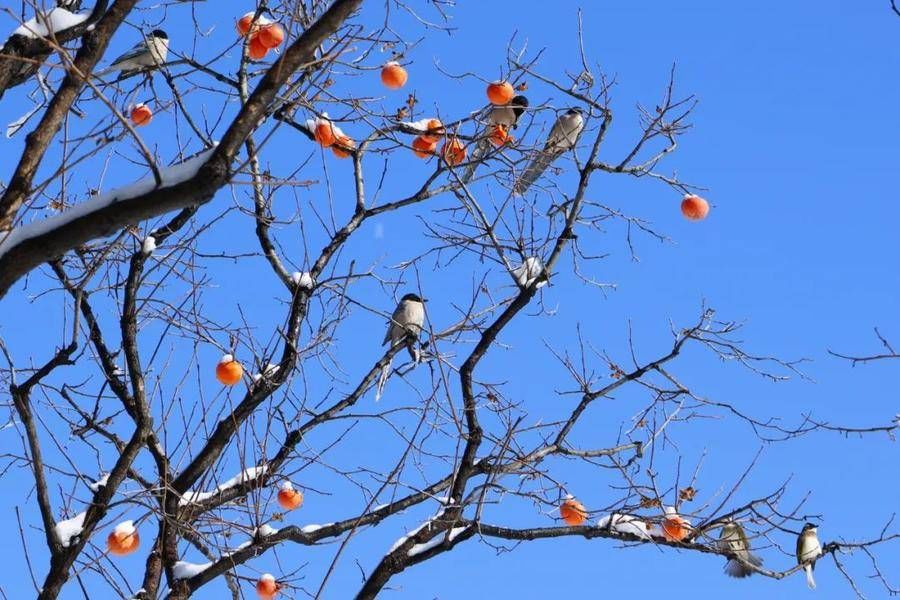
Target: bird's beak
[424, 299]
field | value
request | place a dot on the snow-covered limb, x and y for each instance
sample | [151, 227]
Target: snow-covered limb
[170, 176]
[435, 541]
[241, 478]
[58, 19]
[629, 524]
[312, 527]
[69, 529]
[186, 570]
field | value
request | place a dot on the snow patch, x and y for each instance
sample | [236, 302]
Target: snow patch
[70, 528]
[95, 487]
[242, 477]
[433, 542]
[148, 245]
[303, 280]
[624, 524]
[124, 528]
[529, 272]
[170, 176]
[58, 19]
[265, 530]
[312, 527]
[186, 570]
[226, 358]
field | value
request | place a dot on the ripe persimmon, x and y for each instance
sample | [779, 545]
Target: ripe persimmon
[434, 130]
[141, 115]
[572, 511]
[454, 152]
[229, 371]
[342, 146]
[124, 539]
[271, 35]
[288, 497]
[422, 147]
[694, 207]
[393, 76]
[500, 92]
[267, 588]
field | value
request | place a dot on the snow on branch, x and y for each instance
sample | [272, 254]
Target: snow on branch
[243, 477]
[57, 19]
[170, 176]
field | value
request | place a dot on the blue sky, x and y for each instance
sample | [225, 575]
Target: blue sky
[795, 136]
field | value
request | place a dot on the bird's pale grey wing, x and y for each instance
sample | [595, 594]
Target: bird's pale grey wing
[139, 49]
[535, 169]
[396, 318]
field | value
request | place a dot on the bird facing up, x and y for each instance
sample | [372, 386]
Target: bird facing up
[733, 540]
[808, 550]
[149, 53]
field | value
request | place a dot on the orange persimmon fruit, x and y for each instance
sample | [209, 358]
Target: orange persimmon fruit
[271, 35]
[229, 371]
[500, 92]
[288, 497]
[342, 146]
[572, 511]
[257, 50]
[141, 115]
[499, 135]
[434, 130]
[124, 539]
[675, 528]
[454, 152]
[393, 76]
[266, 587]
[694, 207]
[325, 133]
[422, 147]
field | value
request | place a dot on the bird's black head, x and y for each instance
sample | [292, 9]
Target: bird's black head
[159, 33]
[518, 105]
[809, 526]
[574, 111]
[411, 298]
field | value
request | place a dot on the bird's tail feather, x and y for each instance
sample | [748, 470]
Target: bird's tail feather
[734, 568]
[534, 170]
[382, 379]
[481, 149]
[809, 577]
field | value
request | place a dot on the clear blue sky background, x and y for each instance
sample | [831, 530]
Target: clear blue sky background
[796, 136]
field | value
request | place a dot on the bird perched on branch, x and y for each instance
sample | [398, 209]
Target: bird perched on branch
[147, 54]
[808, 550]
[563, 136]
[506, 115]
[404, 328]
[733, 540]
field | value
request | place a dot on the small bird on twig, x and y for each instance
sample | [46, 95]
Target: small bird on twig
[147, 54]
[808, 550]
[733, 539]
[563, 136]
[404, 327]
[506, 115]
